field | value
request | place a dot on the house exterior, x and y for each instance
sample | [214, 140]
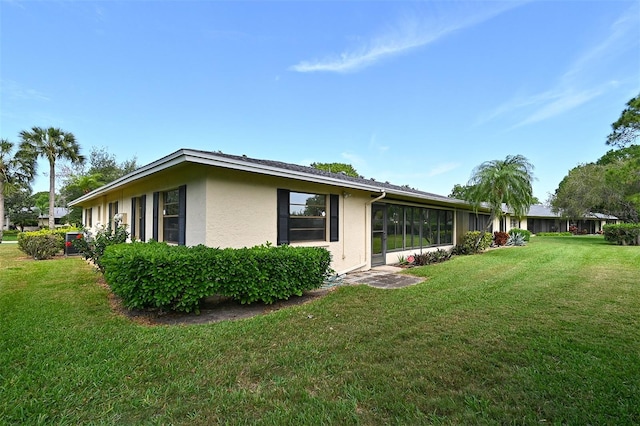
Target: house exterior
[543, 219]
[58, 214]
[193, 197]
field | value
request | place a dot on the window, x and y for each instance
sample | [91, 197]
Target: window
[169, 215]
[170, 207]
[303, 217]
[138, 213]
[113, 210]
[307, 217]
[88, 217]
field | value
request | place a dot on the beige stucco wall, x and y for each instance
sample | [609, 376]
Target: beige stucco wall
[250, 219]
[227, 208]
[231, 208]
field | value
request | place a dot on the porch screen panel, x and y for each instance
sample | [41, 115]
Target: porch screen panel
[395, 227]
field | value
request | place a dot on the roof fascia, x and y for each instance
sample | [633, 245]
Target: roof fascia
[211, 159]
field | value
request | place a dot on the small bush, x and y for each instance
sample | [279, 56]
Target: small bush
[554, 234]
[473, 242]
[43, 244]
[429, 257]
[156, 275]
[626, 234]
[516, 240]
[500, 238]
[525, 233]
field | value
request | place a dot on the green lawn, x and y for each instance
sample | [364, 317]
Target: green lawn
[548, 333]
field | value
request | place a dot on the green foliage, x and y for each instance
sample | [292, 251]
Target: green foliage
[473, 242]
[156, 275]
[516, 239]
[524, 232]
[43, 244]
[500, 182]
[92, 247]
[554, 234]
[626, 234]
[609, 186]
[627, 127]
[459, 192]
[429, 257]
[347, 169]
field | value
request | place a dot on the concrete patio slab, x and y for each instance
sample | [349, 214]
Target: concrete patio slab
[386, 277]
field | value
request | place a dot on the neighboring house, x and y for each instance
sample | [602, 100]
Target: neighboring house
[196, 197]
[58, 214]
[542, 219]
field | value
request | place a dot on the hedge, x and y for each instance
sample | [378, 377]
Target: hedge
[178, 278]
[626, 234]
[45, 243]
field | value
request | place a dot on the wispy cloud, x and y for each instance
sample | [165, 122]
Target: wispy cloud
[441, 169]
[14, 90]
[408, 34]
[579, 84]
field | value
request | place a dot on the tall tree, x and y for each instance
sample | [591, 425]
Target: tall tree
[15, 169]
[610, 186]
[499, 182]
[53, 144]
[627, 128]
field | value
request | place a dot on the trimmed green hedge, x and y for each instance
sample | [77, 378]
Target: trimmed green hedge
[626, 234]
[156, 275]
[45, 243]
[554, 234]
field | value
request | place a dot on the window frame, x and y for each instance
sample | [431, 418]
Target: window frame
[285, 220]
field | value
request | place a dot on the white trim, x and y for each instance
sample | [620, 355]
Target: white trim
[211, 159]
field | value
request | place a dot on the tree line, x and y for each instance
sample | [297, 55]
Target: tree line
[18, 169]
[611, 185]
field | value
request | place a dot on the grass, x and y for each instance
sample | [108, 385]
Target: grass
[547, 333]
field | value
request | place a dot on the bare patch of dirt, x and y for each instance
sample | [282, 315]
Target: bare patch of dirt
[213, 309]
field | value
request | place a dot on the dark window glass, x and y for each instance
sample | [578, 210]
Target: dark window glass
[170, 216]
[395, 225]
[307, 217]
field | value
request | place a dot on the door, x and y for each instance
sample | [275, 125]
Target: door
[378, 234]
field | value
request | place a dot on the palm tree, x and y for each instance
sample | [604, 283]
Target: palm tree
[14, 170]
[502, 182]
[53, 144]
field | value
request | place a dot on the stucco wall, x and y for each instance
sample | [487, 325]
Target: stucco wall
[242, 211]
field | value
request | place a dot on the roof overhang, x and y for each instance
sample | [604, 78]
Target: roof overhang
[211, 159]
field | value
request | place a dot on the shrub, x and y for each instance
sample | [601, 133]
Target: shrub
[429, 257]
[92, 247]
[43, 244]
[622, 233]
[525, 233]
[554, 234]
[500, 238]
[473, 242]
[156, 275]
[516, 239]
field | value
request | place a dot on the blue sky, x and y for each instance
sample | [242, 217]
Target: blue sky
[415, 93]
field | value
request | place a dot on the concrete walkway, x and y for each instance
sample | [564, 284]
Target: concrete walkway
[387, 277]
